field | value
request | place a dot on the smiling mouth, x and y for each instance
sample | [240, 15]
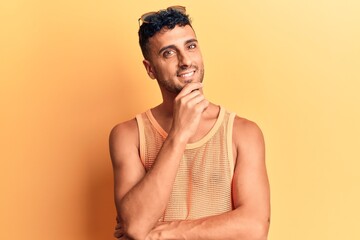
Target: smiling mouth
[188, 74]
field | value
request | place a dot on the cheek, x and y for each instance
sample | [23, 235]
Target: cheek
[198, 58]
[170, 67]
[164, 71]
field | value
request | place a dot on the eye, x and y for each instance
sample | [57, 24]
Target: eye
[192, 46]
[168, 53]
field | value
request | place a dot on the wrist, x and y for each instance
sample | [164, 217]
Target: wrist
[177, 139]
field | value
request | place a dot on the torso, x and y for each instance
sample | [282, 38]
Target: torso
[206, 169]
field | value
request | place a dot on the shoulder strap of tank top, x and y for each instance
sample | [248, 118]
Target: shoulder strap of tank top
[142, 143]
[230, 142]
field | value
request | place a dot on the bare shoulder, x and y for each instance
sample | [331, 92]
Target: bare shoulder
[247, 137]
[123, 139]
[244, 128]
[125, 128]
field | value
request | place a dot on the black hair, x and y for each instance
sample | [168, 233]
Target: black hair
[168, 18]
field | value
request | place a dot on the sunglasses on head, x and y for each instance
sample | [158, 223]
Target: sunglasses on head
[143, 17]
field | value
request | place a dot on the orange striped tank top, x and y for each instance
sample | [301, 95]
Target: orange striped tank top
[203, 183]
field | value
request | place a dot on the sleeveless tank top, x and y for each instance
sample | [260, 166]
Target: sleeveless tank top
[203, 183]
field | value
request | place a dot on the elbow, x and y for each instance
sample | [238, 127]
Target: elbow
[135, 233]
[259, 230]
[132, 229]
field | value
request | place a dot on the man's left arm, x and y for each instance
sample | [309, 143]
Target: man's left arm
[250, 218]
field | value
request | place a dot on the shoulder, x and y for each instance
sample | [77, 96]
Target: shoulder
[246, 127]
[124, 128]
[247, 135]
[124, 137]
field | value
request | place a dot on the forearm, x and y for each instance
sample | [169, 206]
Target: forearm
[136, 188]
[141, 208]
[235, 225]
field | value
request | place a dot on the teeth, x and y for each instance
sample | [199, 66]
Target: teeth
[187, 74]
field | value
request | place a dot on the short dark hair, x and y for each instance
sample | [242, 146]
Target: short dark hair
[168, 18]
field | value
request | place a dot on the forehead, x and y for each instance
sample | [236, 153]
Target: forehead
[176, 36]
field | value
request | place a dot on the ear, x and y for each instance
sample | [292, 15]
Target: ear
[149, 69]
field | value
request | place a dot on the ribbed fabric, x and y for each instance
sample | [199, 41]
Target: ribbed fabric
[203, 183]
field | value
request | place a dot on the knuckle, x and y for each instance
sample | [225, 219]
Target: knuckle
[198, 108]
[182, 101]
[203, 104]
[188, 104]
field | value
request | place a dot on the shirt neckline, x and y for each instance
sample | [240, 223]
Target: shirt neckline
[197, 143]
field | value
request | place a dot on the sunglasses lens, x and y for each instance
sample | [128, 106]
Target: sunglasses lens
[178, 8]
[146, 15]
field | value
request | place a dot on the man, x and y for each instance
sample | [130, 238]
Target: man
[187, 168]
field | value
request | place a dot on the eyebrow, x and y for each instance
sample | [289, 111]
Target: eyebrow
[173, 46]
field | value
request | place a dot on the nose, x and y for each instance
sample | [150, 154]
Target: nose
[184, 60]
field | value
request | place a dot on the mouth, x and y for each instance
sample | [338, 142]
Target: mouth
[186, 74]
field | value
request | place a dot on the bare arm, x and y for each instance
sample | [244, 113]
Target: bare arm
[134, 188]
[250, 219]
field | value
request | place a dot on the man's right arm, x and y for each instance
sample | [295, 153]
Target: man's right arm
[135, 189]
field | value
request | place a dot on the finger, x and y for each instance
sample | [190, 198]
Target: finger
[118, 234]
[189, 88]
[203, 104]
[118, 226]
[189, 96]
[195, 100]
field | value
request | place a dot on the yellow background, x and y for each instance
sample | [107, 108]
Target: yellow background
[70, 70]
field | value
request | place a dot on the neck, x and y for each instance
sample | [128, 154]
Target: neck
[164, 110]
[167, 105]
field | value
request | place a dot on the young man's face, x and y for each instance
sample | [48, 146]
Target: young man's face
[175, 58]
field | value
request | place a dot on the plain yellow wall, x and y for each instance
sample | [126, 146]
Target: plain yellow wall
[70, 70]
